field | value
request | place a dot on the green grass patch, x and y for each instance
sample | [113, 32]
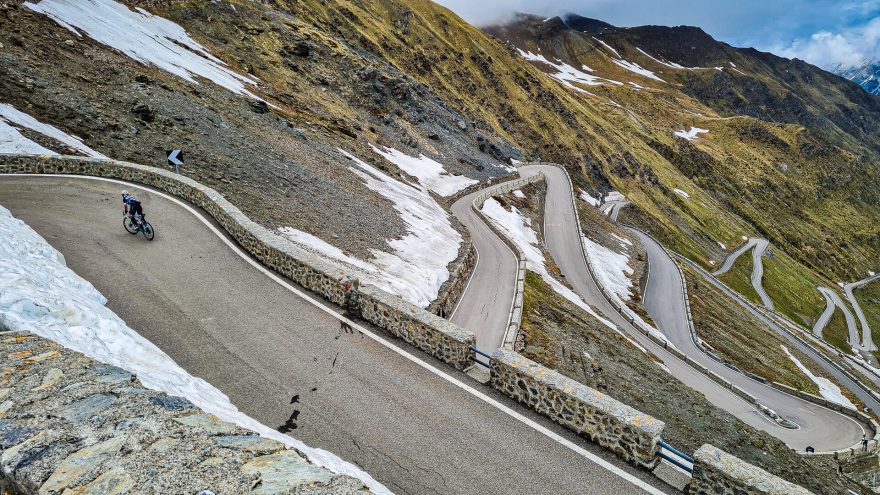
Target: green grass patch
[741, 338]
[792, 288]
[836, 333]
[739, 278]
[869, 300]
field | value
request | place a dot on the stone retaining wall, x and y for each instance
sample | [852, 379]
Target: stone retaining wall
[283, 256]
[516, 311]
[427, 331]
[459, 277]
[73, 425]
[718, 473]
[627, 432]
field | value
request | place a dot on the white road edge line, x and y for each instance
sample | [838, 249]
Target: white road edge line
[467, 388]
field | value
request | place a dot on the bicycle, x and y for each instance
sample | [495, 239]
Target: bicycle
[134, 224]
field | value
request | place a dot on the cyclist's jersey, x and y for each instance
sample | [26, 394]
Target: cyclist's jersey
[129, 200]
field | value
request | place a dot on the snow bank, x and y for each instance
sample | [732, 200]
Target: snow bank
[416, 267]
[612, 269]
[568, 74]
[682, 193]
[430, 173]
[519, 229]
[609, 47]
[519, 194]
[40, 294]
[589, 198]
[633, 67]
[691, 134]
[148, 39]
[12, 141]
[827, 388]
[613, 272]
[614, 196]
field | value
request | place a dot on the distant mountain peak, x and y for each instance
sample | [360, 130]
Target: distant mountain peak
[866, 75]
[585, 24]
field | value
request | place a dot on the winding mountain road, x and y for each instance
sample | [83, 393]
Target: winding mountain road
[612, 208]
[759, 246]
[832, 298]
[413, 423]
[867, 343]
[820, 428]
[484, 306]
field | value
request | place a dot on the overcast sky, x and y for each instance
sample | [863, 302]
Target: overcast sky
[823, 32]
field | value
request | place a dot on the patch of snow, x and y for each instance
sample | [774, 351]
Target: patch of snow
[567, 74]
[589, 198]
[623, 240]
[663, 62]
[691, 134]
[519, 194]
[614, 196]
[732, 64]
[827, 388]
[637, 86]
[431, 174]
[416, 266]
[633, 67]
[612, 269]
[144, 37]
[41, 295]
[870, 273]
[682, 193]
[11, 141]
[519, 229]
[515, 162]
[722, 245]
[613, 272]
[609, 47]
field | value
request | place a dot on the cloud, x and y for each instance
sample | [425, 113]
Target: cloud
[847, 48]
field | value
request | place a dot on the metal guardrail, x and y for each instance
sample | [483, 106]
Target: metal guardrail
[676, 458]
[481, 353]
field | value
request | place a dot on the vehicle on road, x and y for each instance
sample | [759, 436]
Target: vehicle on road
[136, 224]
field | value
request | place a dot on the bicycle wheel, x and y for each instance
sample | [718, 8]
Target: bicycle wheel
[148, 231]
[129, 226]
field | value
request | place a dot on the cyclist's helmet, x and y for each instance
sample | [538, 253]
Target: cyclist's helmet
[125, 192]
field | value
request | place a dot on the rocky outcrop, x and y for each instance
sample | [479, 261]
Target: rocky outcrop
[73, 425]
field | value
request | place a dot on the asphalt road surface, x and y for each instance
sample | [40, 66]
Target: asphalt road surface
[484, 307]
[835, 300]
[411, 422]
[664, 302]
[759, 246]
[867, 343]
[867, 398]
[821, 428]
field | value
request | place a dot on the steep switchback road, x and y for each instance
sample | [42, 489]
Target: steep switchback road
[867, 343]
[759, 246]
[867, 398]
[851, 326]
[414, 424]
[819, 427]
[484, 306]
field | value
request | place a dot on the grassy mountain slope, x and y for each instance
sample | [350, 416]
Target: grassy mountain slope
[791, 152]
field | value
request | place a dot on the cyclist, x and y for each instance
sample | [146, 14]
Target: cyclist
[131, 207]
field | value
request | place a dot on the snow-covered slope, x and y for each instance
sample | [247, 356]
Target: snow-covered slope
[40, 294]
[12, 141]
[417, 265]
[144, 37]
[866, 75]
